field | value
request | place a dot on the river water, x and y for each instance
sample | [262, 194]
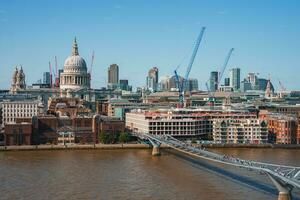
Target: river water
[135, 174]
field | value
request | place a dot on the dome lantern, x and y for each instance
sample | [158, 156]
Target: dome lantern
[75, 48]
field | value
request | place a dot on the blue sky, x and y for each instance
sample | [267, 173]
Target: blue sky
[138, 35]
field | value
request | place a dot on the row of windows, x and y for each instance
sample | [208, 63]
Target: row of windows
[19, 106]
[174, 133]
[233, 137]
[176, 123]
[176, 128]
[20, 115]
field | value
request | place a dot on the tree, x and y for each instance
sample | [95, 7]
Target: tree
[104, 137]
[194, 141]
[123, 137]
[111, 138]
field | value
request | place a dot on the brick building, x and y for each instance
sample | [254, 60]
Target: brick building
[71, 107]
[283, 127]
[298, 134]
[18, 133]
[48, 129]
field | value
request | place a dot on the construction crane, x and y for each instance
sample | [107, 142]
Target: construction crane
[282, 88]
[92, 63]
[224, 66]
[212, 94]
[182, 85]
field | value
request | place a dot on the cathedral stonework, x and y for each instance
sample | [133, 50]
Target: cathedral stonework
[75, 75]
[18, 80]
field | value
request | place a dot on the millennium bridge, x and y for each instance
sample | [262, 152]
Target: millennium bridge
[284, 177]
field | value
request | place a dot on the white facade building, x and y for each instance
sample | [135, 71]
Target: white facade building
[250, 131]
[14, 109]
[165, 124]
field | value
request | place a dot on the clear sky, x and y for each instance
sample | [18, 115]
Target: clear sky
[138, 35]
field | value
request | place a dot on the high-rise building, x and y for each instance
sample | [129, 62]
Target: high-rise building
[213, 81]
[253, 79]
[245, 86]
[124, 85]
[113, 76]
[192, 84]
[60, 71]
[152, 79]
[46, 78]
[235, 78]
[227, 82]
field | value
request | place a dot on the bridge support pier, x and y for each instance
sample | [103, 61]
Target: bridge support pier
[284, 196]
[283, 188]
[155, 151]
[155, 148]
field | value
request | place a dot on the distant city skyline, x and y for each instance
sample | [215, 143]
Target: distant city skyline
[138, 35]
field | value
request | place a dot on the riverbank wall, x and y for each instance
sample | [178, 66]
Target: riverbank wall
[74, 147]
[136, 146]
[275, 146]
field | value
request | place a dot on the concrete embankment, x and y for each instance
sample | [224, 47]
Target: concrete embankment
[136, 146]
[277, 146]
[75, 147]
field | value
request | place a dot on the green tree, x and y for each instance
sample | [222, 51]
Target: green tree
[104, 138]
[194, 141]
[123, 137]
[111, 138]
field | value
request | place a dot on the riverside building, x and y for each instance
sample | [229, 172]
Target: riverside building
[15, 109]
[181, 123]
[283, 127]
[249, 131]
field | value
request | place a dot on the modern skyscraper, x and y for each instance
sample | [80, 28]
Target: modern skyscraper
[213, 81]
[227, 82]
[113, 76]
[235, 78]
[192, 84]
[152, 79]
[46, 78]
[124, 85]
[245, 86]
[253, 79]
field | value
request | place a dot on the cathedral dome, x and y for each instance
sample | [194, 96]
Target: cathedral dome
[75, 75]
[75, 63]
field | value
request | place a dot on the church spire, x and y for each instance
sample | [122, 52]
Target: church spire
[75, 48]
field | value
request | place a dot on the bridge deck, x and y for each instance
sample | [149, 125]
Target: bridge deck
[288, 174]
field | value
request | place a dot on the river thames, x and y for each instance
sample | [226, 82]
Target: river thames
[135, 174]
